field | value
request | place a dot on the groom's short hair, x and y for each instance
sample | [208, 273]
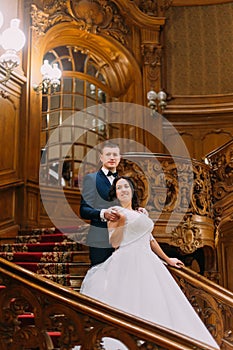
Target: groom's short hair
[109, 144]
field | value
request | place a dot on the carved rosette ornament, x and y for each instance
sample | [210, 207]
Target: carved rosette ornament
[187, 236]
[92, 16]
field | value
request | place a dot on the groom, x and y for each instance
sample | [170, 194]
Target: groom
[95, 206]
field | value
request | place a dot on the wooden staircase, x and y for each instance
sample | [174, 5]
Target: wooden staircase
[65, 319]
[51, 253]
[38, 314]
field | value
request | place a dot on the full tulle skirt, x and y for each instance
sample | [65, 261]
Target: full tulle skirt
[136, 281]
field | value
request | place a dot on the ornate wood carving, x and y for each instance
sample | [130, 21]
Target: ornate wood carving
[95, 17]
[154, 8]
[222, 167]
[164, 193]
[81, 321]
[4, 94]
[187, 236]
[215, 313]
[221, 162]
[206, 307]
[152, 54]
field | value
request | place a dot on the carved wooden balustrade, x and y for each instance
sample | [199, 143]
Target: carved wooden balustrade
[83, 321]
[213, 303]
[177, 192]
[221, 163]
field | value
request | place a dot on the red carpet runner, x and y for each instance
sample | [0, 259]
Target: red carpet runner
[59, 256]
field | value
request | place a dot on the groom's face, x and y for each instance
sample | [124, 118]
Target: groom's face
[110, 157]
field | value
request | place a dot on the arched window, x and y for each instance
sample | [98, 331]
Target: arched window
[82, 86]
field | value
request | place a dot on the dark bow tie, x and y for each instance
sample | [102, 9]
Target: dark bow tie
[110, 173]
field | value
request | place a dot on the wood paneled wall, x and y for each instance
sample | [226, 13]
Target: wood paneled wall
[159, 51]
[12, 155]
[156, 48]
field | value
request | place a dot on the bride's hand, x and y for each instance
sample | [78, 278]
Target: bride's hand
[143, 211]
[111, 214]
[175, 262]
[116, 216]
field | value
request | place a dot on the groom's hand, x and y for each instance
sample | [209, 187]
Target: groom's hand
[143, 211]
[111, 215]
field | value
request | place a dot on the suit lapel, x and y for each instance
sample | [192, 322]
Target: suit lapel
[102, 185]
[103, 177]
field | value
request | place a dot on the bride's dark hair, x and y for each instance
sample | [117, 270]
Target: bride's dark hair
[112, 192]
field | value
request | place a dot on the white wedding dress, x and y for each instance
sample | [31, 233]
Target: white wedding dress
[136, 281]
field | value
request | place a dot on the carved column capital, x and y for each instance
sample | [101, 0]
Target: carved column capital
[152, 54]
[155, 7]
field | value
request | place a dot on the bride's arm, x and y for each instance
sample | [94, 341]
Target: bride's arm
[116, 230]
[158, 250]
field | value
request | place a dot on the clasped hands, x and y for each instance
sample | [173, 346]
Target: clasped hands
[112, 214]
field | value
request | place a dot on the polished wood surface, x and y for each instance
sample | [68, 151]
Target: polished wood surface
[87, 321]
[221, 162]
[138, 47]
[12, 152]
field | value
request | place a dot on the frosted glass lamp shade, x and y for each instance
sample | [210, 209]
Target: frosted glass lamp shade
[56, 72]
[9, 59]
[51, 78]
[151, 95]
[46, 70]
[162, 96]
[13, 38]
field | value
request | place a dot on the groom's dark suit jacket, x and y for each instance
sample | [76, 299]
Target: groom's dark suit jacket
[95, 193]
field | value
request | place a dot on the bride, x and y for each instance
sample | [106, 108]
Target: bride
[134, 279]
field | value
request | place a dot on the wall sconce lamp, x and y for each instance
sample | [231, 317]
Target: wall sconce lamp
[157, 101]
[51, 76]
[12, 40]
[101, 93]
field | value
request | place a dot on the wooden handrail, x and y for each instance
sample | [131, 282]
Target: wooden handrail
[213, 303]
[204, 283]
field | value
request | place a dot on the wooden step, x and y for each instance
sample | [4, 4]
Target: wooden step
[51, 254]
[46, 257]
[66, 280]
[40, 247]
[72, 269]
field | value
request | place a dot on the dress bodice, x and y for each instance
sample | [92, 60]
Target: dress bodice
[137, 225]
